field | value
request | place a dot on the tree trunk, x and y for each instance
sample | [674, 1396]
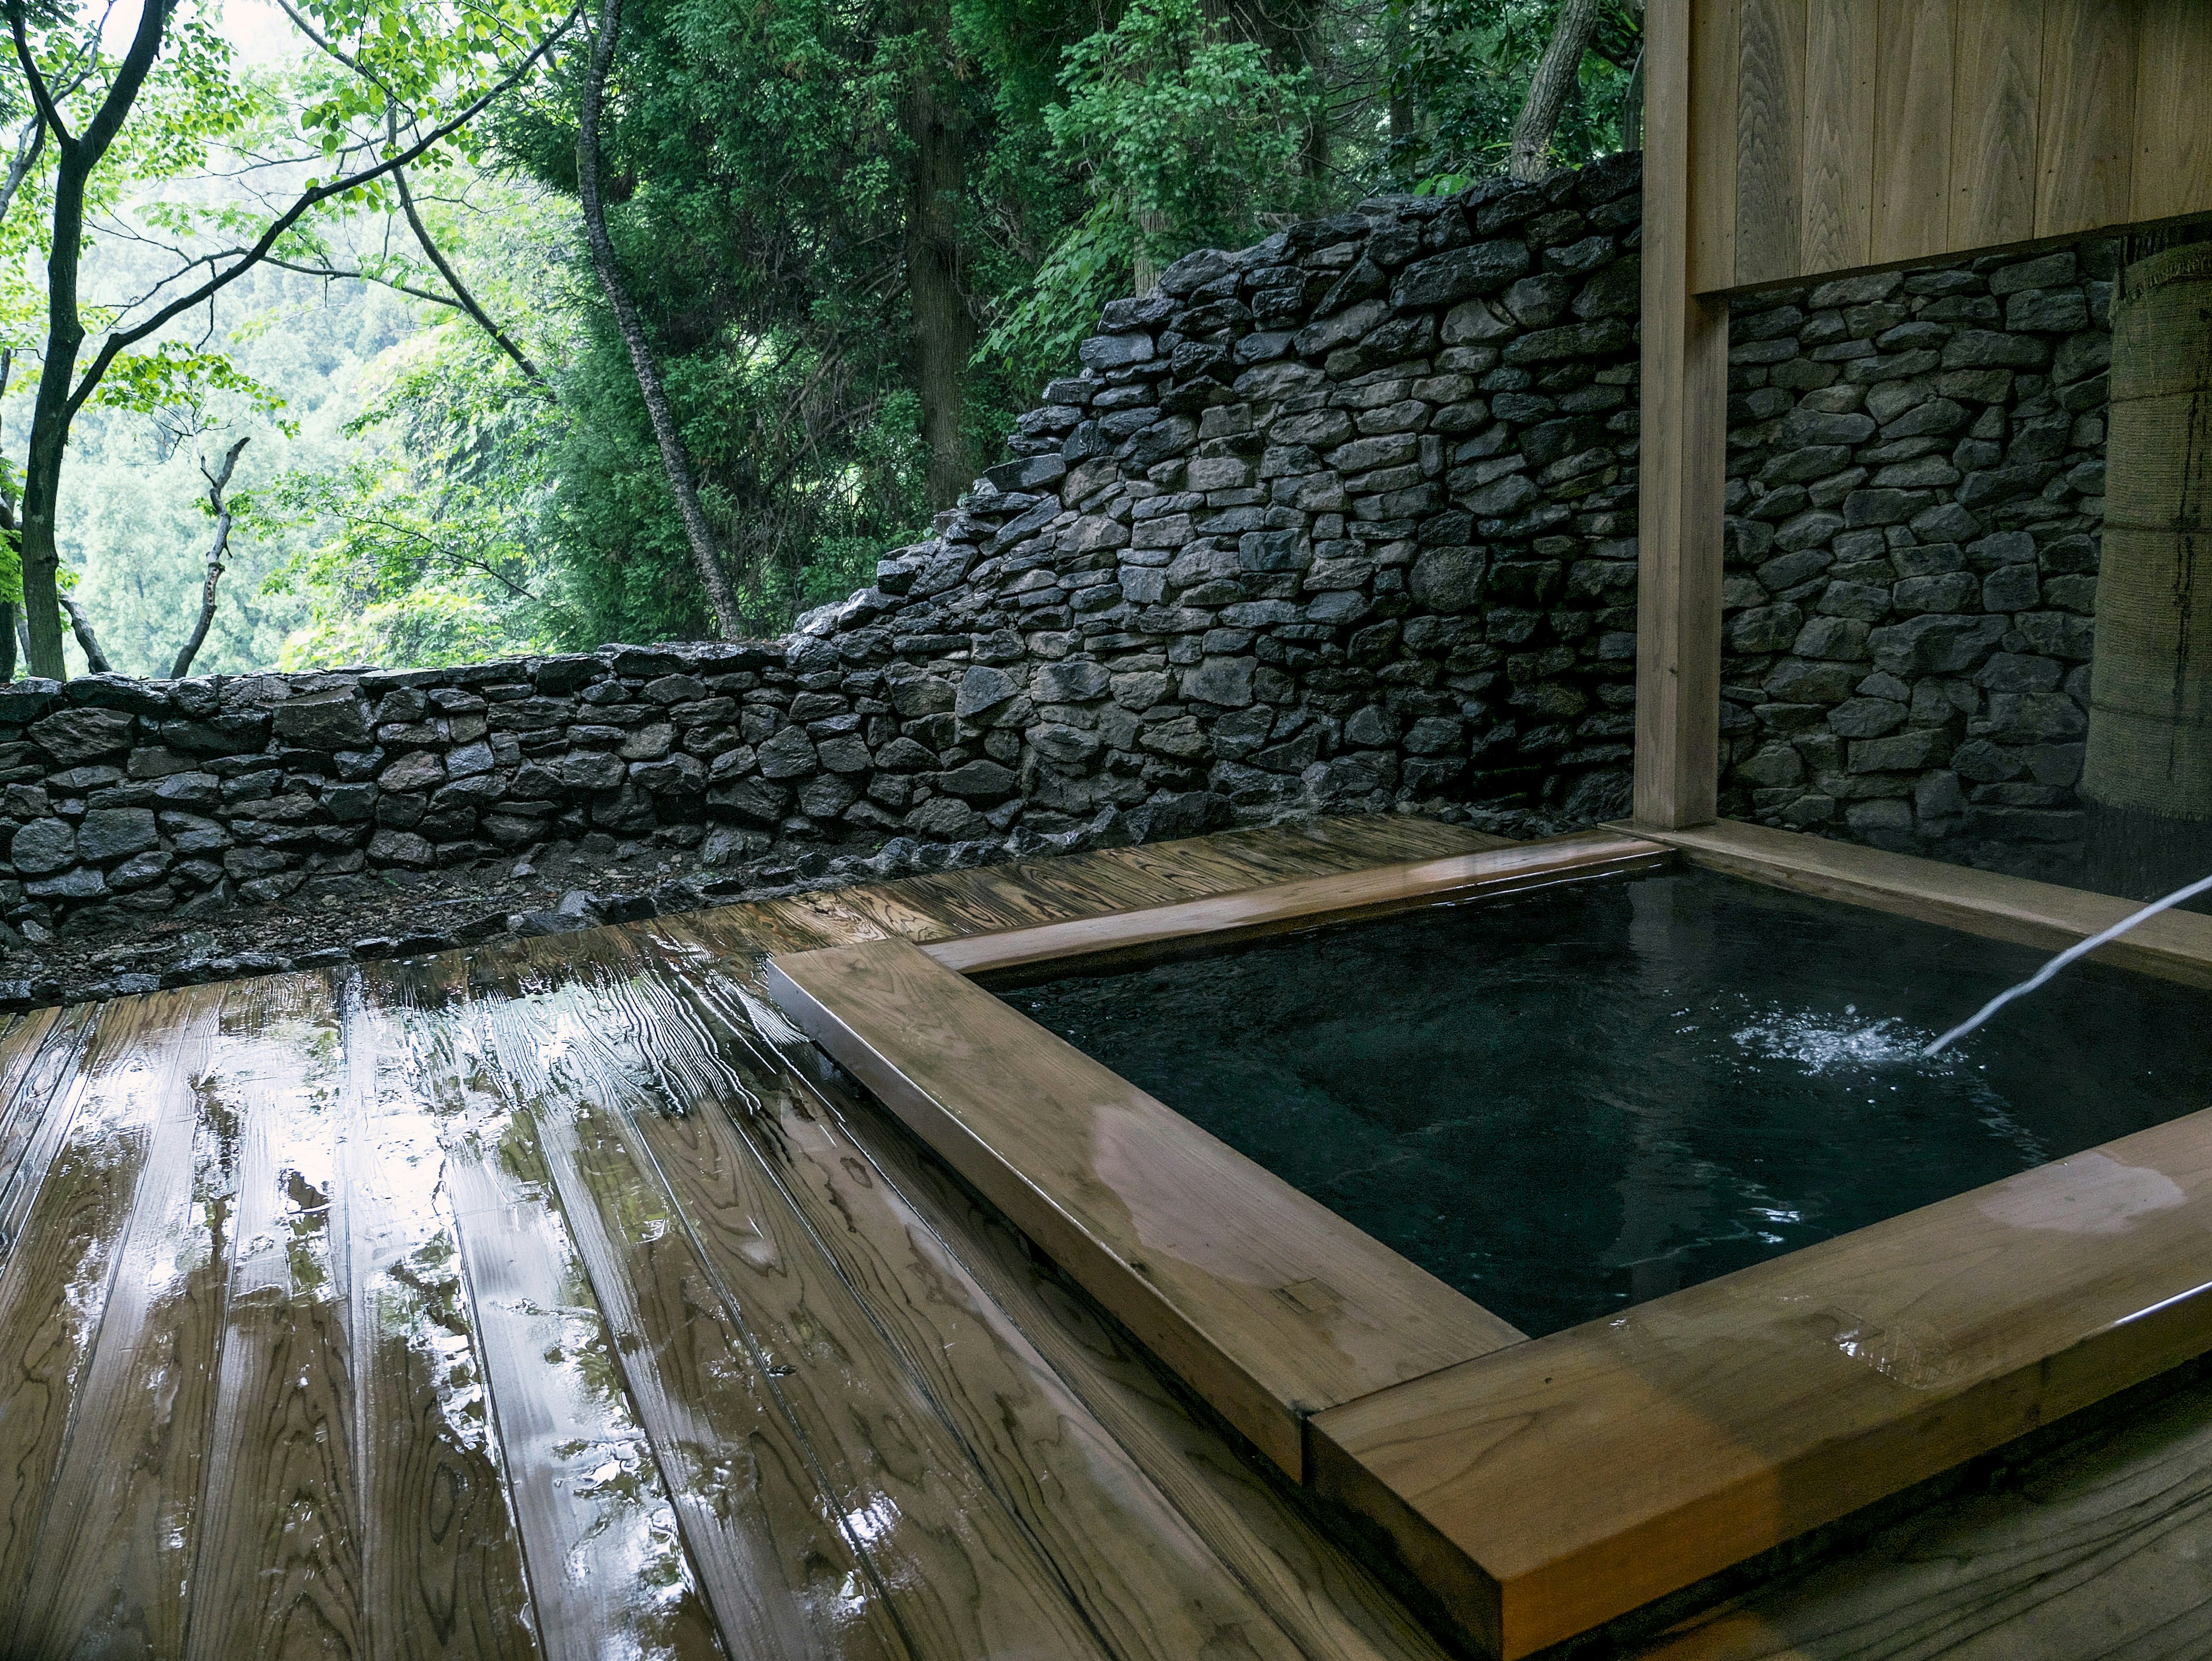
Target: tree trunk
[1397, 48]
[944, 326]
[7, 639]
[54, 407]
[1557, 72]
[706, 555]
[96, 660]
[216, 549]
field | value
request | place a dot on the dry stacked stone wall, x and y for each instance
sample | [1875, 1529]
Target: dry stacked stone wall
[1915, 492]
[1345, 519]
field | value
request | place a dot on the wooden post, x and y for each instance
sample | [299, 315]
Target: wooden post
[1684, 459]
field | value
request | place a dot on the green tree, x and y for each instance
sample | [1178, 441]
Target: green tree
[416, 76]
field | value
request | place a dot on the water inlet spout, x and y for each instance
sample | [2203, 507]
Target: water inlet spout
[2079, 949]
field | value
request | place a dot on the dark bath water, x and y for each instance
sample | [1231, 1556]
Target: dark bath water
[1565, 1104]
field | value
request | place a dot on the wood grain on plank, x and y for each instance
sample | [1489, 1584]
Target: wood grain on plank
[780, 1577]
[1913, 95]
[1376, 891]
[441, 1561]
[111, 1573]
[55, 1284]
[2172, 169]
[2094, 1551]
[1684, 422]
[1997, 79]
[1327, 1602]
[961, 1576]
[1142, 1576]
[1769, 168]
[1269, 1302]
[26, 1038]
[278, 1569]
[1840, 62]
[1706, 87]
[2175, 946]
[607, 1569]
[1552, 1486]
[38, 1113]
[2086, 132]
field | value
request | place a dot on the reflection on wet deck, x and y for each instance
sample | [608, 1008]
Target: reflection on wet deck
[536, 1301]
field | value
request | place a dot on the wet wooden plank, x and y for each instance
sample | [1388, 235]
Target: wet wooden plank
[1555, 1485]
[27, 1036]
[278, 1568]
[2098, 1551]
[39, 1110]
[961, 1577]
[1144, 1576]
[1270, 1303]
[1329, 1604]
[55, 1284]
[780, 1577]
[442, 1562]
[110, 1574]
[1340, 897]
[608, 1572]
[2175, 946]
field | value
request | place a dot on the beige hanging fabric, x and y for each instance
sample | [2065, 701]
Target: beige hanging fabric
[2150, 687]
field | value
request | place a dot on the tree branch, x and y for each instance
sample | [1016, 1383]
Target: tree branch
[467, 301]
[675, 462]
[121, 340]
[217, 482]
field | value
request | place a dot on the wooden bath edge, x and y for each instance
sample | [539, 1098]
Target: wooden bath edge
[1544, 1487]
[2174, 945]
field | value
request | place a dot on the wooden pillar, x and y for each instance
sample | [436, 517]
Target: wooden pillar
[1683, 460]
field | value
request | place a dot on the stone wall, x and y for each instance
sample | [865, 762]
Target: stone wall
[1345, 519]
[1916, 491]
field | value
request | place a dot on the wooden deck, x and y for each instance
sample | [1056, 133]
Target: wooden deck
[538, 1300]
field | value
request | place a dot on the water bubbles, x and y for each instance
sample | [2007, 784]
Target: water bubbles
[1823, 1044]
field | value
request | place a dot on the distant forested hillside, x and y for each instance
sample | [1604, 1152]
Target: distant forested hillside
[655, 317]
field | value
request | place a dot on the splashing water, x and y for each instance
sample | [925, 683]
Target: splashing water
[1821, 1044]
[2081, 949]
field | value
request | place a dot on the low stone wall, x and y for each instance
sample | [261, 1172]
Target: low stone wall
[1915, 492]
[1344, 519]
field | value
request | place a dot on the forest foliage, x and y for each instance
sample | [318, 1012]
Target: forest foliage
[860, 235]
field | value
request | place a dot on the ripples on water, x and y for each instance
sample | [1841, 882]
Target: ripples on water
[1570, 1102]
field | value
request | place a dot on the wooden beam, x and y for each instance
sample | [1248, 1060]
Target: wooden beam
[2174, 945]
[1342, 896]
[1684, 461]
[1551, 1486]
[1267, 1303]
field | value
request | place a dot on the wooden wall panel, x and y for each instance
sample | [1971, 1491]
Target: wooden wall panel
[1840, 59]
[1828, 134]
[2172, 170]
[2086, 130]
[1770, 139]
[1997, 65]
[1913, 130]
